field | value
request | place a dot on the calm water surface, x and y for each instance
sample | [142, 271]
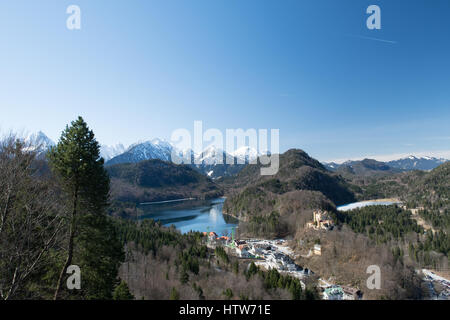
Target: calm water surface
[361, 204]
[195, 215]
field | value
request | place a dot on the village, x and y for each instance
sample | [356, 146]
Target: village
[276, 254]
[433, 280]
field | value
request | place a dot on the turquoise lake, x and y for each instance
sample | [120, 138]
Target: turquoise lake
[195, 215]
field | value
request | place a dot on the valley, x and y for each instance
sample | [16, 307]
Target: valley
[307, 232]
[280, 206]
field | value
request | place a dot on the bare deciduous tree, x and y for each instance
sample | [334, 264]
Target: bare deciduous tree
[30, 221]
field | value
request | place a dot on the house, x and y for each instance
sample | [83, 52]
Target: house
[212, 236]
[318, 249]
[333, 293]
[351, 293]
[243, 250]
[224, 240]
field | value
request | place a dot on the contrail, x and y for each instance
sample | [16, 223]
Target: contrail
[370, 38]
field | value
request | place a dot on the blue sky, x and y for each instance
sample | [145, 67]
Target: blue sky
[141, 69]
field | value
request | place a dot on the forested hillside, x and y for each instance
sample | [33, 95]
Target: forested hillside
[428, 192]
[393, 237]
[278, 204]
[157, 180]
[161, 263]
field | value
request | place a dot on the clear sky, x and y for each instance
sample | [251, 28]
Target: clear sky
[141, 69]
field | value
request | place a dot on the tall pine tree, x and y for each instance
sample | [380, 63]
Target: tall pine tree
[92, 244]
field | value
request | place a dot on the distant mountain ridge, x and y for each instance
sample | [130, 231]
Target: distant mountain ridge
[148, 150]
[414, 163]
[403, 164]
[362, 168]
[213, 162]
[208, 164]
[44, 143]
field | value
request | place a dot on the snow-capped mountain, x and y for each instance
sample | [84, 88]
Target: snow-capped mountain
[414, 163]
[109, 152]
[216, 163]
[405, 164]
[208, 162]
[245, 154]
[212, 156]
[40, 141]
[153, 149]
[332, 166]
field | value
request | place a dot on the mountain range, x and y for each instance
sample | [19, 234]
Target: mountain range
[414, 163]
[208, 164]
[44, 143]
[370, 165]
[213, 162]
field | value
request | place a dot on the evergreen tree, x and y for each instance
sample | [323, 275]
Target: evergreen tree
[92, 244]
[121, 292]
[184, 277]
[228, 293]
[174, 295]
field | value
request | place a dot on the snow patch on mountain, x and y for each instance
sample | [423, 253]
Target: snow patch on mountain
[147, 150]
[245, 154]
[109, 152]
[40, 141]
[213, 161]
[414, 163]
[406, 163]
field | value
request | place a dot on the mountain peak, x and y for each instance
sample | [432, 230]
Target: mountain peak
[159, 141]
[147, 150]
[245, 153]
[415, 163]
[109, 152]
[40, 140]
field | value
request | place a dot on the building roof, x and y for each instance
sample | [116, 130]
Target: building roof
[336, 290]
